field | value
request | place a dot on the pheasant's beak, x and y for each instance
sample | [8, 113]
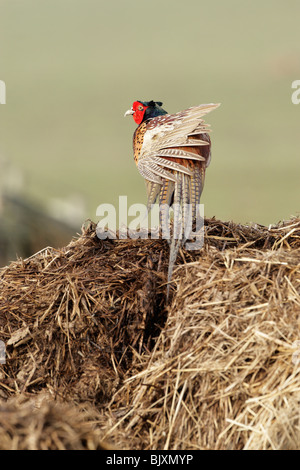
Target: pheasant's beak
[130, 111]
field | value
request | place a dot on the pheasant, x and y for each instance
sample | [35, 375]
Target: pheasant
[172, 152]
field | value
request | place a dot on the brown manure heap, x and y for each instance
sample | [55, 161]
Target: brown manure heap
[93, 355]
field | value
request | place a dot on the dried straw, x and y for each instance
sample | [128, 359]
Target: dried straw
[218, 368]
[41, 424]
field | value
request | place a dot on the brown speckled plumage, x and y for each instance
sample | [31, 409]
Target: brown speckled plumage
[138, 139]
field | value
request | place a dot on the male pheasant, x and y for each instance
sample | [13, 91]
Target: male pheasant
[172, 152]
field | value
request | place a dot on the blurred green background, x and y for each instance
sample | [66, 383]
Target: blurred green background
[73, 67]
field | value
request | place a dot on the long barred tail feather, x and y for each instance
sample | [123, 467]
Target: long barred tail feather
[187, 192]
[174, 248]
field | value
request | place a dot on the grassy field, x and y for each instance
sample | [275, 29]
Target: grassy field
[72, 68]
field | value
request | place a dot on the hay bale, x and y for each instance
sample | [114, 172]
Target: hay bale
[42, 424]
[71, 317]
[213, 370]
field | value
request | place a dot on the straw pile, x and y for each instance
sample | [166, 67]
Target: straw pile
[37, 423]
[217, 368]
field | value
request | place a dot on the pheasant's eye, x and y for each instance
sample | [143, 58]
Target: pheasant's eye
[140, 107]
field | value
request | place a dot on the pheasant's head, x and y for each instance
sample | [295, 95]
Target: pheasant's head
[142, 110]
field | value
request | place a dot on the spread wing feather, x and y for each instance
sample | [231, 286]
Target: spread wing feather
[179, 153]
[164, 137]
[174, 130]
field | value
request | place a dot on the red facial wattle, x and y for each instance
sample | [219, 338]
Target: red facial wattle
[139, 111]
